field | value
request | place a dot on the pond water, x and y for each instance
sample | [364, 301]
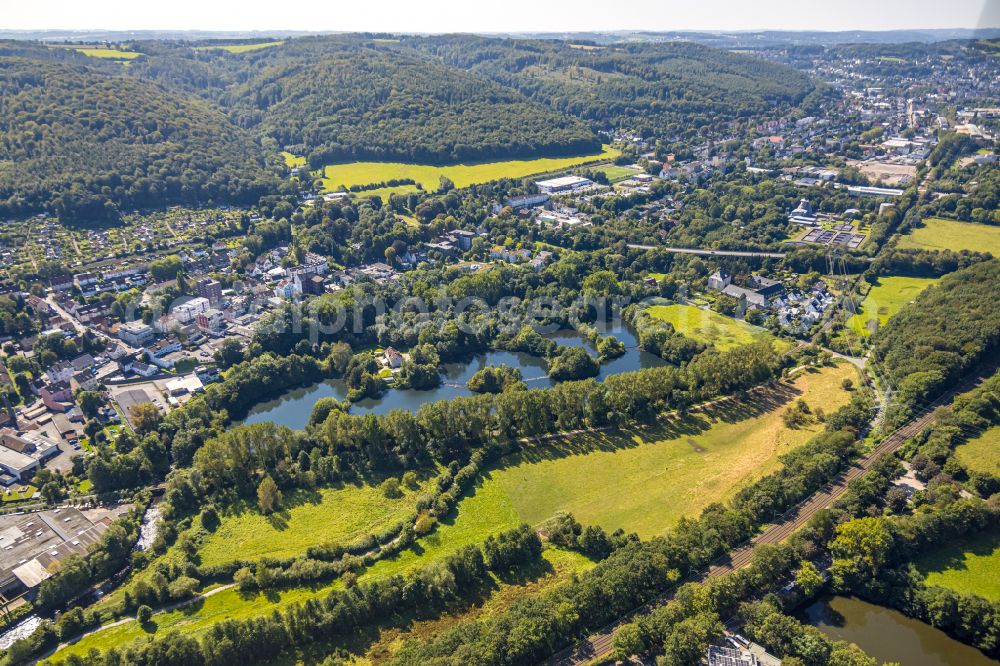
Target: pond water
[293, 408]
[888, 635]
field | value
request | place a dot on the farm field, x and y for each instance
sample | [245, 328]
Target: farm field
[110, 54]
[463, 175]
[706, 326]
[943, 234]
[238, 48]
[967, 565]
[981, 454]
[886, 299]
[329, 515]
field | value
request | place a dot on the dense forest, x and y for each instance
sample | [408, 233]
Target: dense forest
[83, 144]
[86, 139]
[636, 86]
[339, 104]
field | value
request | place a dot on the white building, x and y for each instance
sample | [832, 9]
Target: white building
[186, 312]
[562, 184]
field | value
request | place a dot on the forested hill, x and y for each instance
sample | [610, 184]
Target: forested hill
[636, 86]
[343, 104]
[83, 143]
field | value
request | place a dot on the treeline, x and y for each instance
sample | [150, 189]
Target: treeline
[947, 330]
[464, 575]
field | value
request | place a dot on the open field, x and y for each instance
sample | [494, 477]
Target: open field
[888, 173]
[886, 299]
[939, 233]
[968, 565]
[709, 327]
[981, 454]
[292, 161]
[110, 54]
[463, 175]
[640, 480]
[238, 48]
[616, 173]
[335, 515]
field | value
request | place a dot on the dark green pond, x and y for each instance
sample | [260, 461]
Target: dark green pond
[888, 635]
[293, 408]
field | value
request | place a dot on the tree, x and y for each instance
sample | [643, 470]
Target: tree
[861, 550]
[628, 640]
[809, 579]
[390, 255]
[689, 639]
[146, 417]
[847, 384]
[268, 495]
[144, 614]
[390, 488]
[90, 402]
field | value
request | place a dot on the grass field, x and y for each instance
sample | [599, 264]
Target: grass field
[463, 175]
[616, 173]
[292, 161]
[640, 480]
[968, 565]
[942, 234]
[981, 454]
[709, 327]
[110, 54]
[886, 299]
[335, 515]
[238, 48]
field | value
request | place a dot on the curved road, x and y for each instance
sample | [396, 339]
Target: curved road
[599, 645]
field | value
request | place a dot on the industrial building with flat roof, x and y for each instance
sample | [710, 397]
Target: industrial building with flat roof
[562, 184]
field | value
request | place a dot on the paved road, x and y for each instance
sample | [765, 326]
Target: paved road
[716, 253]
[599, 645]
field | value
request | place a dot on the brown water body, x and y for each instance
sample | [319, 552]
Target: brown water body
[888, 635]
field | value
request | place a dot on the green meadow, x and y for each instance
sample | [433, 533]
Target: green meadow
[110, 54]
[292, 161]
[238, 48]
[463, 175]
[942, 234]
[886, 298]
[337, 515]
[966, 565]
[707, 326]
[981, 454]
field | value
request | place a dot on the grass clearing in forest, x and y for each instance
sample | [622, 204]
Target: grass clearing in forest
[939, 233]
[885, 299]
[110, 54]
[707, 326]
[965, 565]
[462, 175]
[292, 161]
[238, 48]
[981, 454]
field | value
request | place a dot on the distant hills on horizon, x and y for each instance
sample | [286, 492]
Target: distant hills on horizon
[716, 38]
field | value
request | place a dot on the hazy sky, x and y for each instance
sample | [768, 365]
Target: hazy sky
[498, 16]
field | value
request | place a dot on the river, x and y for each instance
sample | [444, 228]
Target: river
[888, 635]
[293, 408]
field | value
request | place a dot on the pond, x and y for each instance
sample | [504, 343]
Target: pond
[888, 635]
[293, 408]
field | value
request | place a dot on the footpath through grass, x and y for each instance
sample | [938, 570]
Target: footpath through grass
[939, 233]
[462, 175]
[967, 565]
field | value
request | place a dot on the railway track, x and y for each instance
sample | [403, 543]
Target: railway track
[599, 645]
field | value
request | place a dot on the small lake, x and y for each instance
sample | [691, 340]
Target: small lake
[294, 407]
[888, 635]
